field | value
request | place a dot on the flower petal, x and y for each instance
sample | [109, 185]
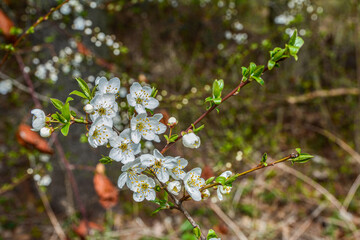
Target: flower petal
[122, 180]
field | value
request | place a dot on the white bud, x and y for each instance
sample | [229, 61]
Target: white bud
[45, 132]
[205, 194]
[88, 108]
[190, 140]
[172, 121]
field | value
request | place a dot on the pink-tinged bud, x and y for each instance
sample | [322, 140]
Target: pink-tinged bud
[172, 121]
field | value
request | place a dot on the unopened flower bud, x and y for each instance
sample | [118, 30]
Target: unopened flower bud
[45, 132]
[88, 108]
[190, 140]
[172, 121]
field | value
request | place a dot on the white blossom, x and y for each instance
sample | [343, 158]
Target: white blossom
[144, 188]
[205, 193]
[147, 128]
[191, 140]
[224, 189]
[104, 86]
[124, 149]
[130, 173]
[39, 118]
[100, 133]
[45, 132]
[174, 187]
[140, 98]
[193, 183]
[159, 164]
[177, 172]
[105, 107]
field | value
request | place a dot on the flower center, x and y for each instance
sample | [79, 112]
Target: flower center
[139, 101]
[144, 186]
[95, 133]
[102, 111]
[140, 126]
[123, 146]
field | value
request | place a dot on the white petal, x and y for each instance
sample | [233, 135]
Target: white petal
[135, 87]
[151, 195]
[151, 103]
[135, 136]
[163, 175]
[161, 128]
[147, 89]
[157, 154]
[98, 80]
[138, 197]
[122, 180]
[114, 85]
[131, 100]
[194, 193]
[147, 160]
[226, 174]
[139, 108]
[116, 154]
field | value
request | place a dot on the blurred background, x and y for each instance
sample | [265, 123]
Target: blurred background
[48, 186]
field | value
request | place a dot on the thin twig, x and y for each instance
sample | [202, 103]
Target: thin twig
[322, 94]
[14, 184]
[186, 197]
[351, 193]
[27, 32]
[228, 221]
[230, 94]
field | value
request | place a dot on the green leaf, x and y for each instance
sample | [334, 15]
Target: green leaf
[230, 180]
[55, 116]
[65, 129]
[244, 71]
[258, 71]
[263, 159]
[252, 67]
[259, 80]
[78, 93]
[57, 103]
[106, 160]
[299, 42]
[217, 101]
[154, 92]
[156, 210]
[69, 99]
[298, 150]
[61, 117]
[211, 234]
[302, 158]
[173, 138]
[220, 180]
[196, 130]
[278, 55]
[66, 111]
[84, 87]
[271, 64]
[209, 180]
[167, 138]
[218, 86]
[293, 38]
[197, 232]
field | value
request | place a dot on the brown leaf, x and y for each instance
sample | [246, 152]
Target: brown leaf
[165, 118]
[82, 49]
[104, 188]
[207, 172]
[82, 230]
[5, 25]
[222, 229]
[28, 138]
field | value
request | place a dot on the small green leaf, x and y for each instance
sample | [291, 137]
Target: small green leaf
[258, 71]
[55, 117]
[298, 150]
[220, 180]
[69, 99]
[244, 71]
[209, 180]
[252, 67]
[106, 160]
[84, 87]
[259, 80]
[197, 232]
[271, 64]
[230, 180]
[61, 117]
[302, 158]
[57, 103]
[218, 86]
[156, 210]
[173, 138]
[65, 129]
[293, 38]
[154, 92]
[211, 234]
[299, 42]
[78, 93]
[66, 111]
[217, 101]
[263, 159]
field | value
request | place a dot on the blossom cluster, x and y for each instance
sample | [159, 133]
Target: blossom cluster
[140, 172]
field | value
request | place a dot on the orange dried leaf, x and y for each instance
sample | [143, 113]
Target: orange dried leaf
[83, 228]
[5, 24]
[82, 49]
[106, 191]
[28, 138]
[207, 172]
